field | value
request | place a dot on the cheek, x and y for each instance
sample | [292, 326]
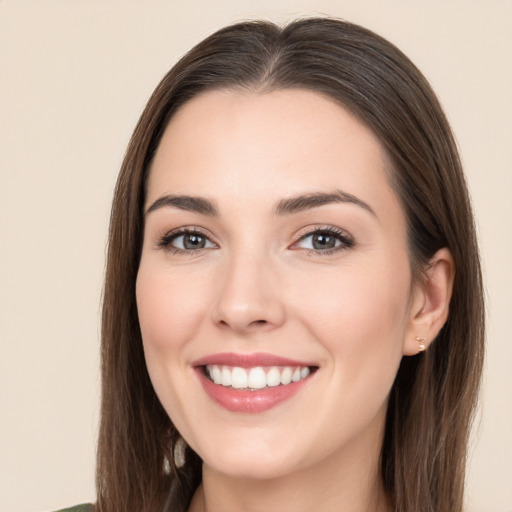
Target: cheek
[360, 315]
[169, 306]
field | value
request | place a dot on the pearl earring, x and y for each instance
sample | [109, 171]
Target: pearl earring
[421, 343]
[179, 452]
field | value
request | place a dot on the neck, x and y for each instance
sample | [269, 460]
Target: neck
[347, 480]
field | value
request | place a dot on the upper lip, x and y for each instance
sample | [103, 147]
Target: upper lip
[248, 360]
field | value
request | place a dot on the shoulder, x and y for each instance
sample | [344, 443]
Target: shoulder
[84, 507]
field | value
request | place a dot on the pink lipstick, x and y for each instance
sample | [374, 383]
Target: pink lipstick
[251, 383]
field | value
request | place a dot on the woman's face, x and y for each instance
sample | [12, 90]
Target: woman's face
[274, 251]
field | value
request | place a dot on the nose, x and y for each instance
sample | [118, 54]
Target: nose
[249, 297]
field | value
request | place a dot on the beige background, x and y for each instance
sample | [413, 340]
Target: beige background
[74, 76]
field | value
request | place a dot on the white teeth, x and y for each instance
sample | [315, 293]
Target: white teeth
[239, 378]
[257, 377]
[216, 375]
[226, 377]
[286, 376]
[273, 377]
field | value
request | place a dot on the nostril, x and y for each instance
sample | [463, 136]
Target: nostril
[258, 323]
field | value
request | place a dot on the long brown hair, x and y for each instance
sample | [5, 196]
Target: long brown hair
[434, 394]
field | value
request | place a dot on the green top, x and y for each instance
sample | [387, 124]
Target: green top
[84, 507]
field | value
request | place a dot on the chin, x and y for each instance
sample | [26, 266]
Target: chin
[267, 468]
[251, 461]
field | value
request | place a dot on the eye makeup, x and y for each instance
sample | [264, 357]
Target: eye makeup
[317, 240]
[324, 240]
[183, 241]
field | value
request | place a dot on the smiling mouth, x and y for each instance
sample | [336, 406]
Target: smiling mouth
[256, 378]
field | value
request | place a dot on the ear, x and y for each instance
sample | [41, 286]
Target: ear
[430, 303]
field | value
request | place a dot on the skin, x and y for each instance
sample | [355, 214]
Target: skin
[258, 286]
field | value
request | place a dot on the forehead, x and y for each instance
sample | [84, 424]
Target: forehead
[262, 146]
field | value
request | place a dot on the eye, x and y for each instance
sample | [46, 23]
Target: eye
[319, 241]
[185, 241]
[325, 241]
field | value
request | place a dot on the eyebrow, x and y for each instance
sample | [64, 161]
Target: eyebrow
[286, 206]
[188, 203]
[303, 202]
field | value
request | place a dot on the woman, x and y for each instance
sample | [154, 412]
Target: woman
[293, 314]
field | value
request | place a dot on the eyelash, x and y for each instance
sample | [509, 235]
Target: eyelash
[165, 242]
[347, 242]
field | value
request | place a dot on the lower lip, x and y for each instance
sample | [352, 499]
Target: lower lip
[259, 400]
